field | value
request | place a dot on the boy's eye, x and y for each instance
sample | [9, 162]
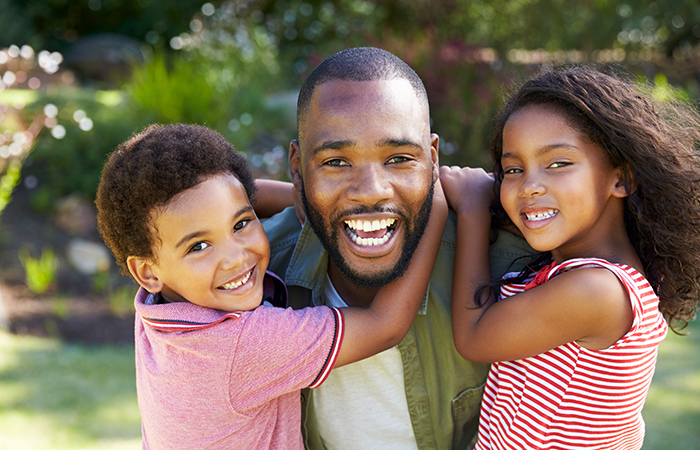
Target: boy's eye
[241, 224]
[199, 246]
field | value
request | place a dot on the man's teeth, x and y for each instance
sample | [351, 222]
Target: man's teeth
[237, 284]
[541, 215]
[366, 225]
[370, 241]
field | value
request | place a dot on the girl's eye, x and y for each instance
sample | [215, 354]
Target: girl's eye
[198, 247]
[240, 225]
[559, 164]
[512, 170]
[335, 162]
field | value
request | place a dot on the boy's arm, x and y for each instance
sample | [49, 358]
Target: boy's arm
[470, 193]
[387, 319]
[272, 197]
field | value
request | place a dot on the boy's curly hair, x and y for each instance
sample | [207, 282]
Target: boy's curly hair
[655, 142]
[147, 171]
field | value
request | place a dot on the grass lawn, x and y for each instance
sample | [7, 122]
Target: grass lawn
[56, 396]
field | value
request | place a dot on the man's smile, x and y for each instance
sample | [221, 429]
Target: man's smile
[370, 232]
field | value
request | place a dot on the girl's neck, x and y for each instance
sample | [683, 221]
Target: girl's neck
[615, 248]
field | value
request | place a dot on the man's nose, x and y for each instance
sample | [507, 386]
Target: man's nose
[370, 186]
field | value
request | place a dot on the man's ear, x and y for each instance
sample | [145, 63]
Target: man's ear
[434, 154]
[142, 271]
[295, 164]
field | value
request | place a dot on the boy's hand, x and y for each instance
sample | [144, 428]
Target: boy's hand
[467, 190]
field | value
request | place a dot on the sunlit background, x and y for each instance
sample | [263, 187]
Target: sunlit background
[77, 77]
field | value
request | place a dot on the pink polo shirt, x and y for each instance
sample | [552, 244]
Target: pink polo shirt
[217, 380]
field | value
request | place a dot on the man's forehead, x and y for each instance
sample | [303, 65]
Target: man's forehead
[336, 93]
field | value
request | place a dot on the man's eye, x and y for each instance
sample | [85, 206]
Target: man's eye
[199, 246]
[240, 225]
[397, 159]
[335, 162]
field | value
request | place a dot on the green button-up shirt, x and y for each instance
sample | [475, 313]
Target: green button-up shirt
[443, 390]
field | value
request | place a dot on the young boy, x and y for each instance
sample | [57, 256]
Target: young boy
[217, 365]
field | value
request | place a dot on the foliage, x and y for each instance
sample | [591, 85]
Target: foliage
[71, 161]
[8, 181]
[190, 88]
[40, 272]
[56, 24]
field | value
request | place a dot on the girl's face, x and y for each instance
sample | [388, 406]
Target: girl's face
[211, 248]
[558, 187]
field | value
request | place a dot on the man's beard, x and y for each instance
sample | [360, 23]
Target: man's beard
[413, 232]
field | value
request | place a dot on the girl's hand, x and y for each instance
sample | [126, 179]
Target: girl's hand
[467, 190]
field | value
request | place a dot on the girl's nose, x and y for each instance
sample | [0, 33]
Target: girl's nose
[532, 186]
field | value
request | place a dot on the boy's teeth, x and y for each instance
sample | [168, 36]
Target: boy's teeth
[238, 283]
[541, 215]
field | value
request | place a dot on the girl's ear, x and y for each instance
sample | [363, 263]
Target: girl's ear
[142, 271]
[624, 183]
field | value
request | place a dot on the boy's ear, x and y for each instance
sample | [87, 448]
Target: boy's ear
[142, 271]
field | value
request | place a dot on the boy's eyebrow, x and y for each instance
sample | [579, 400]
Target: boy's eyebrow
[195, 234]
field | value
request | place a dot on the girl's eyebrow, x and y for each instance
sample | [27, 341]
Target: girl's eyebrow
[544, 149]
[195, 234]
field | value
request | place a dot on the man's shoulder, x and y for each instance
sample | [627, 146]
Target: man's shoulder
[282, 230]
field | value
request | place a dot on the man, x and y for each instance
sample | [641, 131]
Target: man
[365, 164]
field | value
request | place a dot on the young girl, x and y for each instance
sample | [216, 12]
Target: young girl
[594, 178]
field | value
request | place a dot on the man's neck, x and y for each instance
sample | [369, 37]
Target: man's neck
[351, 294]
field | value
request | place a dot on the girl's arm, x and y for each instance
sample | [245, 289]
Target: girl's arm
[589, 306]
[272, 197]
[388, 318]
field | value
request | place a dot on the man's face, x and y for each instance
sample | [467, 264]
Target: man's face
[366, 164]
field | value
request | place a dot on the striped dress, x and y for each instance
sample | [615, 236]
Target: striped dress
[571, 397]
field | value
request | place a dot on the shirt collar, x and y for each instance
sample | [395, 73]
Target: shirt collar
[186, 316]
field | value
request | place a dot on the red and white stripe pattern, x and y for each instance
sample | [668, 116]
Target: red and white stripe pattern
[335, 349]
[571, 397]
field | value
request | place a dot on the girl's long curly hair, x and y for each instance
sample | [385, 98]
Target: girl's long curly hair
[655, 142]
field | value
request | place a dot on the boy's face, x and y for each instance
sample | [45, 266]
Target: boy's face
[211, 249]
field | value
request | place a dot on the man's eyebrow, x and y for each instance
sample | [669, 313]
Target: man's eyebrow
[332, 145]
[398, 143]
[190, 236]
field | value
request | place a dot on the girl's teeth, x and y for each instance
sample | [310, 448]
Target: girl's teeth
[541, 216]
[238, 283]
